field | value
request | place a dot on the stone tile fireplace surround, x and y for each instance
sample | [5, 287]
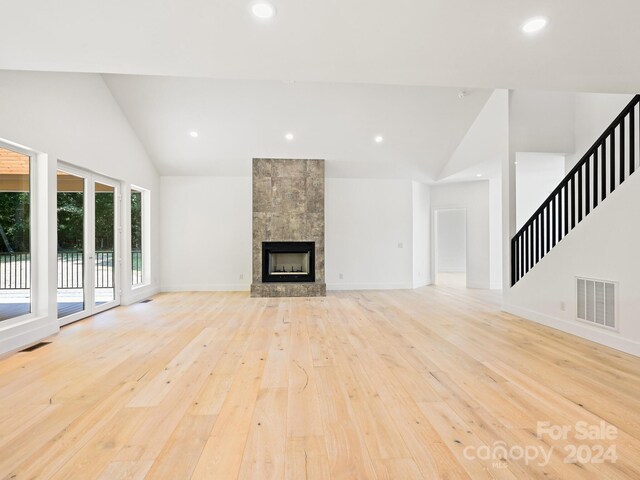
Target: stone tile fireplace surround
[288, 206]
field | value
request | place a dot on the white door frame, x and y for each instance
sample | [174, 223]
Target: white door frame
[90, 178]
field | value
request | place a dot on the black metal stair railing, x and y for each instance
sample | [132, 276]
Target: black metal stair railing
[605, 166]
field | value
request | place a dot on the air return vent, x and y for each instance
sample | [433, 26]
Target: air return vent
[596, 302]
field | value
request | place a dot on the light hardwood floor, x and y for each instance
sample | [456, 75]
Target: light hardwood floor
[370, 385]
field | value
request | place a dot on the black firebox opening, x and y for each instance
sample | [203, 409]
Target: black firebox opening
[288, 262]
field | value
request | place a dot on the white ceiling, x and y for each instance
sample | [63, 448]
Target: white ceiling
[239, 120]
[589, 45]
[334, 72]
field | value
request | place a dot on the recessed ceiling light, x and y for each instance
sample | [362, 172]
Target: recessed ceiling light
[289, 136]
[534, 25]
[263, 10]
[478, 174]
[378, 139]
[194, 134]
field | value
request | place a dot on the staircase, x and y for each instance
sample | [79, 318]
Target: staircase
[604, 167]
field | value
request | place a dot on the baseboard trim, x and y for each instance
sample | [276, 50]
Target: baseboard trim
[594, 334]
[369, 286]
[139, 294]
[216, 287]
[241, 287]
[16, 337]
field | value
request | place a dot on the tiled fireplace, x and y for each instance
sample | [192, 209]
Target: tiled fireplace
[288, 228]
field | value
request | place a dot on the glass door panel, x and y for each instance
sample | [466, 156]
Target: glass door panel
[105, 242]
[71, 244]
[15, 234]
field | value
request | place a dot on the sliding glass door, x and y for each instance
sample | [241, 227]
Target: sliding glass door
[88, 244]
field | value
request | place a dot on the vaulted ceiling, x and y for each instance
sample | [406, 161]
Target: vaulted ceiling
[588, 46]
[238, 120]
[334, 72]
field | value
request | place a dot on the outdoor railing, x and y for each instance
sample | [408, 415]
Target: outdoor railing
[70, 270]
[104, 269]
[136, 267]
[15, 270]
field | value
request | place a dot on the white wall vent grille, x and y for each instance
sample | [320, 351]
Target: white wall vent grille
[596, 302]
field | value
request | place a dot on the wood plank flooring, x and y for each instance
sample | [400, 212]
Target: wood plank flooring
[430, 383]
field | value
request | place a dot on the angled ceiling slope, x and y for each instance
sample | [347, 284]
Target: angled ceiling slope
[238, 120]
[485, 144]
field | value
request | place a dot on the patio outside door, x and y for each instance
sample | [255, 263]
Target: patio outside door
[88, 244]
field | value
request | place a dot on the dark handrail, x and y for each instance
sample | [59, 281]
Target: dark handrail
[585, 158]
[579, 192]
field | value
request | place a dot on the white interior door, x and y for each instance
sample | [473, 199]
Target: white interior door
[89, 243]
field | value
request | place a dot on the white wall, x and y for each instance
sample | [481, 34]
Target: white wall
[206, 233]
[537, 175]
[495, 233]
[474, 197]
[451, 241]
[598, 248]
[368, 234]
[541, 121]
[594, 112]
[602, 246]
[74, 118]
[421, 237]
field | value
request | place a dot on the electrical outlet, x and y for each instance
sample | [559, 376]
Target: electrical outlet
[563, 306]
[241, 276]
[400, 245]
[340, 276]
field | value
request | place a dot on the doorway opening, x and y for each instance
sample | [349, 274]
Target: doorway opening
[450, 255]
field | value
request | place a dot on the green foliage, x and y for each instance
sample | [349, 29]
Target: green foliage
[136, 220]
[104, 221]
[70, 221]
[15, 211]
[14, 220]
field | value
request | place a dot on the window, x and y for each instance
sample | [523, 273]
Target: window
[15, 233]
[137, 254]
